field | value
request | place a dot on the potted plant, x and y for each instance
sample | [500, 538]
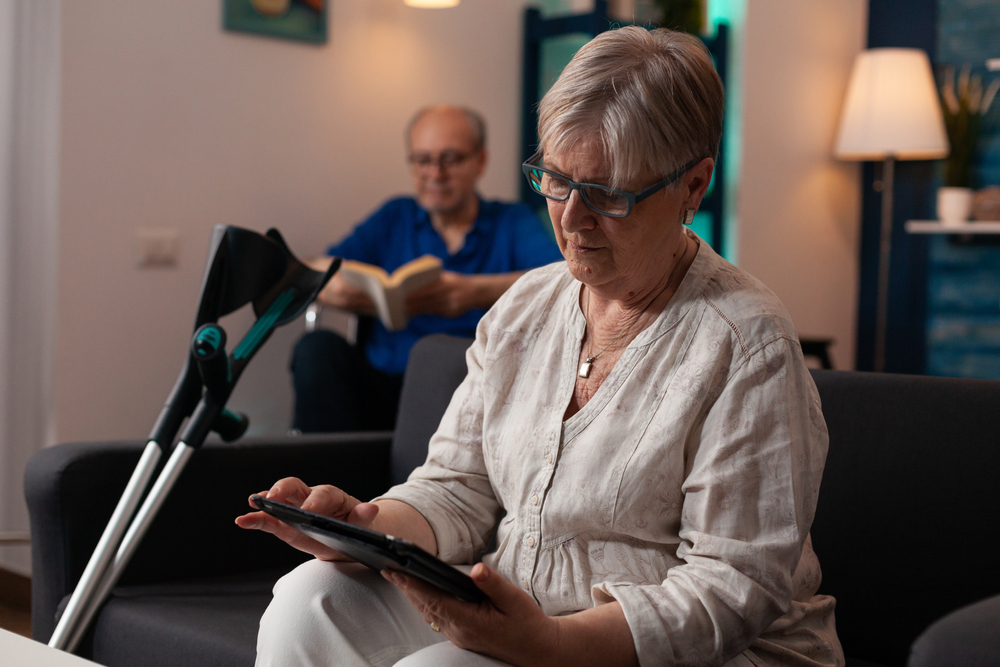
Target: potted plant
[963, 104]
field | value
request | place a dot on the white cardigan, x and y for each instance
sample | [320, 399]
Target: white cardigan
[684, 489]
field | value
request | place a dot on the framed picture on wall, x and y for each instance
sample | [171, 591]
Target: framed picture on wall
[302, 20]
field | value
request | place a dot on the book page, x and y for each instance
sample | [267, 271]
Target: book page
[371, 280]
[388, 293]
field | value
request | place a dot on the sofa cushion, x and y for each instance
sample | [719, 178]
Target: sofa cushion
[436, 368]
[906, 527]
[969, 636]
[72, 489]
[187, 623]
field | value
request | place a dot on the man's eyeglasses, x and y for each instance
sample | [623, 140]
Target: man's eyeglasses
[602, 199]
[444, 160]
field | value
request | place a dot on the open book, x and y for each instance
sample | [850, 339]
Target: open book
[388, 292]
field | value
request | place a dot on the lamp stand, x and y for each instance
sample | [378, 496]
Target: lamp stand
[885, 255]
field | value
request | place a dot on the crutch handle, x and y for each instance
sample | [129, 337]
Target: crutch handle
[231, 425]
[181, 402]
[208, 346]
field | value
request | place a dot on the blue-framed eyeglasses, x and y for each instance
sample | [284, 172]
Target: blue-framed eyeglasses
[601, 199]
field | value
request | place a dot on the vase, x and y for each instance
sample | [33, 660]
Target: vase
[954, 205]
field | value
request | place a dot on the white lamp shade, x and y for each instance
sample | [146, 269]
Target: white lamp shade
[891, 109]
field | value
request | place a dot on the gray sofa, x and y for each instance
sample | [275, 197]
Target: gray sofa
[906, 530]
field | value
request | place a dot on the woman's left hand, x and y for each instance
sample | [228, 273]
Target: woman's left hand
[509, 626]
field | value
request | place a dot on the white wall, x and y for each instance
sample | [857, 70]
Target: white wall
[29, 150]
[169, 122]
[799, 208]
[8, 456]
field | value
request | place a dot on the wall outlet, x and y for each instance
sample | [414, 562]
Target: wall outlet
[158, 247]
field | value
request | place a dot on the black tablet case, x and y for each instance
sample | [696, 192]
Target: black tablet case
[376, 550]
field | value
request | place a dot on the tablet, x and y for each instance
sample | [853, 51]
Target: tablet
[376, 550]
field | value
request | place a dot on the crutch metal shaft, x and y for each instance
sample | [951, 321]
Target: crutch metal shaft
[107, 545]
[140, 524]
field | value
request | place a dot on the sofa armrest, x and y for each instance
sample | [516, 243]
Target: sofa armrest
[72, 490]
[967, 636]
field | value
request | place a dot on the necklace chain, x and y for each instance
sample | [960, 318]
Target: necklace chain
[588, 363]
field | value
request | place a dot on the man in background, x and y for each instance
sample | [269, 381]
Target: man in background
[484, 247]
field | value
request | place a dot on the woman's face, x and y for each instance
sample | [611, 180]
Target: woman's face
[620, 257]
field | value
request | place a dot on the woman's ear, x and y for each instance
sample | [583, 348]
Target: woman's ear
[695, 182]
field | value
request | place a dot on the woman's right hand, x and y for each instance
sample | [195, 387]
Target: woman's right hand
[324, 499]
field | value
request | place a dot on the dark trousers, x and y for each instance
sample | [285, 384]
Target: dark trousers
[336, 389]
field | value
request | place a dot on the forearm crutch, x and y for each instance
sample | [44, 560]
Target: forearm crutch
[243, 267]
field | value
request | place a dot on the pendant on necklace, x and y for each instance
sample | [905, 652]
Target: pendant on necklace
[585, 367]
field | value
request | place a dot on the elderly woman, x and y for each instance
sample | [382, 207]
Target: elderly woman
[637, 428]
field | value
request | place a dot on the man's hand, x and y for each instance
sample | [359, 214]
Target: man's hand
[325, 499]
[457, 293]
[451, 296]
[339, 294]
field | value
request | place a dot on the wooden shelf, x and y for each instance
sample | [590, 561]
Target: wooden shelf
[935, 227]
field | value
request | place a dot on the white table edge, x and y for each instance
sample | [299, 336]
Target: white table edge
[18, 650]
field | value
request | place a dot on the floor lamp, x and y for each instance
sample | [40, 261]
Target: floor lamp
[891, 113]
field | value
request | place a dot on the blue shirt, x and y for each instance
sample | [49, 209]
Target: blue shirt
[504, 238]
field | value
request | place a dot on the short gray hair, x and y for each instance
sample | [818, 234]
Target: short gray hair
[477, 126]
[653, 99]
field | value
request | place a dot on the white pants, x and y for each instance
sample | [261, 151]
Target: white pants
[346, 615]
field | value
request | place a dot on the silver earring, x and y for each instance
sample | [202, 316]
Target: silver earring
[689, 215]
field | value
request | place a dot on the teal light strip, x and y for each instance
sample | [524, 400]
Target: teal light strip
[734, 13]
[263, 325]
